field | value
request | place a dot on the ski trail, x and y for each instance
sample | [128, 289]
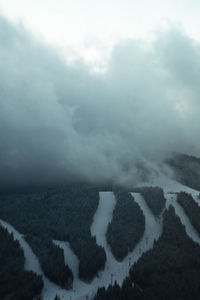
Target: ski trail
[50, 289]
[190, 230]
[79, 287]
[81, 290]
[153, 226]
[70, 258]
[114, 270]
[169, 185]
[101, 220]
[99, 227]
[196, 198]
[31, 261]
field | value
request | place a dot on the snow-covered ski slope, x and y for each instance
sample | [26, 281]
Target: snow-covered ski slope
[114, 270]
[170, 185]
[31, 261]
[190, 230]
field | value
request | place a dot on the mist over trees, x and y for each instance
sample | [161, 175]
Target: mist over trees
[186, 169]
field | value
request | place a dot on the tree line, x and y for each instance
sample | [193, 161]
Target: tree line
[191, 208]
[154, 197]
[127, 225]
[15, 283]
[64, 214]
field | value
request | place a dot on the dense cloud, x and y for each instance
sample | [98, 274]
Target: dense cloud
[59, 122]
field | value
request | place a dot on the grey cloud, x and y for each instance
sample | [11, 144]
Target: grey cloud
[59, 122]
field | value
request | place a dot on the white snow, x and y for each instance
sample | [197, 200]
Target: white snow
[171, 188]
[114, 270]
[80, 288]
[170, 185]
[103, 216]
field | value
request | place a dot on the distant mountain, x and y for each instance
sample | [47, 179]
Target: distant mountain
[84, 238]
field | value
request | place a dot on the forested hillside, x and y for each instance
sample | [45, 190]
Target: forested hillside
[127, 226]
[15, 283]
[191, 208]
[51, 258]
[168, 271]
[59, 214]
[154, 198]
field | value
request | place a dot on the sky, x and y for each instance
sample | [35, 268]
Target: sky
[113, 118]
[91, 28]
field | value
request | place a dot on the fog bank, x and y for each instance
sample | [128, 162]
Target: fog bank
[59, 122]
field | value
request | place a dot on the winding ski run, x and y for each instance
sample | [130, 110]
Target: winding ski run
[114, 270]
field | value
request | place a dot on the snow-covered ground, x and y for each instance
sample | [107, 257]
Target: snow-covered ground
[171, 188]
[31, 261]
[153, 226]
[99, 227]
[114, 270]
[170, 185]
[190, 230]
[70, 258]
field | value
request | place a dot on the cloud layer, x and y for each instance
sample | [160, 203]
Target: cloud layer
[59, 122]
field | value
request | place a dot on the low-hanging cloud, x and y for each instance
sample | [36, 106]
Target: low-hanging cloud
[59, 122]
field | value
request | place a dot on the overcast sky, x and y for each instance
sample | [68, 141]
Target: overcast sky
[60, 120]
[90, 28]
